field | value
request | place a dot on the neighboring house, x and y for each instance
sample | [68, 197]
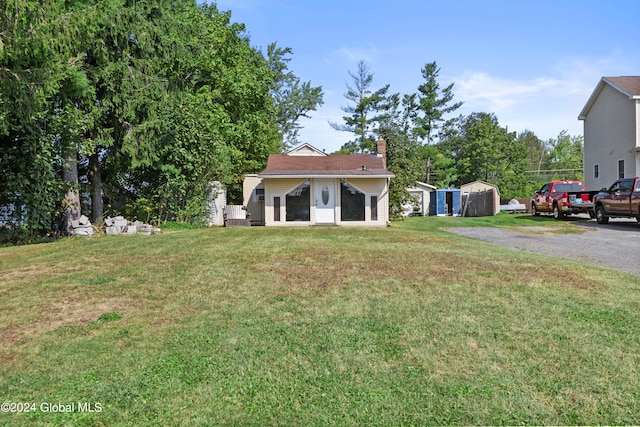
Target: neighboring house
[421, 197]
[308, 187]
[480, 198]
[612, 131]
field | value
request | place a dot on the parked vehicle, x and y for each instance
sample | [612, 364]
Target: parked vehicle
[562, 198]
[621, 200]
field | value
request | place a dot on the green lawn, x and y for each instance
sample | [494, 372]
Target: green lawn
[406, 325]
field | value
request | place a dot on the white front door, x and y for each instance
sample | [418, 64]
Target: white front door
[325, 198]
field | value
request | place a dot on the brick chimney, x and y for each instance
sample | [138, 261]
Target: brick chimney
[381, 150]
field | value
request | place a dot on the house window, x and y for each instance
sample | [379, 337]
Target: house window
[258, 194]
[352, 203]
[299, 203]
[276, 209]
[374, 208]
[620, 169]
[596, 171]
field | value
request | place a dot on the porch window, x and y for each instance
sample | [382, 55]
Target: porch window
[299, 203]
[276, 209]
[352, 203]
[374, 208]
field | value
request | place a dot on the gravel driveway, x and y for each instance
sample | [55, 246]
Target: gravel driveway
[615, 245]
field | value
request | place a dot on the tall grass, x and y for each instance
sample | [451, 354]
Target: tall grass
[406, 325]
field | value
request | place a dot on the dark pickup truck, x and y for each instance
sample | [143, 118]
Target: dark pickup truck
[621, 200]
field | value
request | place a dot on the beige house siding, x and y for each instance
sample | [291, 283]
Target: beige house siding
[279, 187]
[253, 200]
[610, 134]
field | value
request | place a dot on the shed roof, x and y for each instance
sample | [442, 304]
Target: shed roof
[336, 165]
[627, 85]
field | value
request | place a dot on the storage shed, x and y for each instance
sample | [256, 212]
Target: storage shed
[480, 198]
[445, 202]
[419, 206]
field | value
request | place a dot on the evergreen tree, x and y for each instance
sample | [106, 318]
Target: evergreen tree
[432, 103]
[363, 117]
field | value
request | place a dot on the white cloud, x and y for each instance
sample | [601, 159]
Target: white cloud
[483, 90]
[546, 104]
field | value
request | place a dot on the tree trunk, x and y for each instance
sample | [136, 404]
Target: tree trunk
[97, 206]
[427, 174]
[72, 199]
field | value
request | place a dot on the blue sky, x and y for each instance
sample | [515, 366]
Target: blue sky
[532, 63]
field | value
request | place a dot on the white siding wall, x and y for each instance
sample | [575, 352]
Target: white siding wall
[609, 136]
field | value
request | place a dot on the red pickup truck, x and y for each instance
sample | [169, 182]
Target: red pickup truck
[562, 198]
[622, 199]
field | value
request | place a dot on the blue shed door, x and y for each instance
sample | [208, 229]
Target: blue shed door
[442, 203]
[456, 203]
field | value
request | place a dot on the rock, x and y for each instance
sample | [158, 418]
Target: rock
[86, 230]
[112, 230]
[120, 225]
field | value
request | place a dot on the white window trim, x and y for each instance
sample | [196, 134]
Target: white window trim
[618, 169]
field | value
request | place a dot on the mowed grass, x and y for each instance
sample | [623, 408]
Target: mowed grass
[405, 325]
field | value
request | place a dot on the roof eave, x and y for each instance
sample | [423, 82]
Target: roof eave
[596, 93]
[307, 176]
[592, 99]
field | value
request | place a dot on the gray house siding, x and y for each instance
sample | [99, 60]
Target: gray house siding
[611, 132]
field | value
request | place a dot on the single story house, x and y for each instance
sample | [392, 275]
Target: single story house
[308, 187]
[611, 119]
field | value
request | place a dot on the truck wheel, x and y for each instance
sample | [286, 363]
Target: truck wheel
[600, 215]
[557, 212]
[535, 212]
